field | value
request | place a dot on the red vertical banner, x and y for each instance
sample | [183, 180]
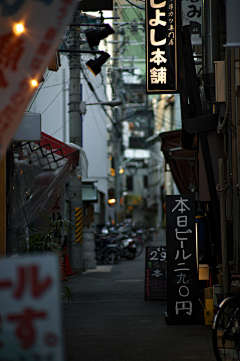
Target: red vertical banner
[29, 35]
[30, 327]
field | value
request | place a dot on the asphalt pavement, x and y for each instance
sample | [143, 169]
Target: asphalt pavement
[109, 320]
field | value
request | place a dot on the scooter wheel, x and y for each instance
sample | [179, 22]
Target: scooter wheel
[112, 256]
[130, 256]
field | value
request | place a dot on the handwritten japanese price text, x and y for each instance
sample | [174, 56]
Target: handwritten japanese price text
[181, 267]
[148, 282]
[156, 281]
[29, 326]
[164, 17]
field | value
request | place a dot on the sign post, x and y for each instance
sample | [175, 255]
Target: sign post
[182, 262]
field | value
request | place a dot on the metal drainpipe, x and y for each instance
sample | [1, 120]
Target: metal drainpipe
[211, 49]
[229, 200]
[235, 211]
[237, 65]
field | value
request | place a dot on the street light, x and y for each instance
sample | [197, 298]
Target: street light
[94, 65]
[95, 36]
[111, 103]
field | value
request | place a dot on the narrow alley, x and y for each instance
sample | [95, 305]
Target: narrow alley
[110, 321]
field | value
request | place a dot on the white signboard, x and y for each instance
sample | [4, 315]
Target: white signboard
[30, 322]
[29, 35]
[192, 16]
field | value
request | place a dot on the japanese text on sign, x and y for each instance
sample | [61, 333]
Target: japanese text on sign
[181, 253]
[27, 44]
[182, 268]
[192, 16]
[30, 328]
[155, 272]
[161, 45]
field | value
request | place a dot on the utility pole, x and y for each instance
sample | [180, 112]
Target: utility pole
[117, 155]
[117, 128]
[75, 246]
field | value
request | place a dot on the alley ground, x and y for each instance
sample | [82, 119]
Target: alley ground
[110, 321]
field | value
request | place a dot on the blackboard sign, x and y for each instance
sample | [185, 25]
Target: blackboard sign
[156, 273]
[182, 280]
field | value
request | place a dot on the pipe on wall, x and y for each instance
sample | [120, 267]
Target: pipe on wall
[211, 46]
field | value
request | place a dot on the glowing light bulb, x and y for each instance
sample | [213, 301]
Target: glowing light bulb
[18, 29]
[112, 201]
[34, 82]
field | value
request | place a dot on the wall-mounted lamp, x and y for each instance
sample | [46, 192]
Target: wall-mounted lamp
[95, 64]
[95, 36]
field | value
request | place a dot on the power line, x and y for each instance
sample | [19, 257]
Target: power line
[49, 74]
[98, 126]
[127, 19]
[96, 96]
[35, 96]
[138, 7]
[55, 97]
[50, 86]
[59, 129]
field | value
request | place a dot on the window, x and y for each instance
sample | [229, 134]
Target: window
[145, 181]
[140, 98]
[130, 183]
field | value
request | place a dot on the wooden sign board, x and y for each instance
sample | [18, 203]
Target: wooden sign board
[161, 46]
[156, 273]
[182, 268]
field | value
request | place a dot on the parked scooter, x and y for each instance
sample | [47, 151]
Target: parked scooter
[128, 248]
[117, 237]
[138, 242]
[125, 232]
[105, 250]
[126, 245]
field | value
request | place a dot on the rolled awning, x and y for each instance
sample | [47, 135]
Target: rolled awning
[64, 150]
[182, 162]
[39, 171]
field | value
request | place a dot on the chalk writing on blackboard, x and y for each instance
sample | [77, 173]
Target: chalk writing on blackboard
[182, 290]
[156, 273]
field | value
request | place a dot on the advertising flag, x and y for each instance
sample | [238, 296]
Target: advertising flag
[29, 35]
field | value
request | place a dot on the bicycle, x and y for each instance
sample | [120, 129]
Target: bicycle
[226, 330]
[139, 244]
[105, 251]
